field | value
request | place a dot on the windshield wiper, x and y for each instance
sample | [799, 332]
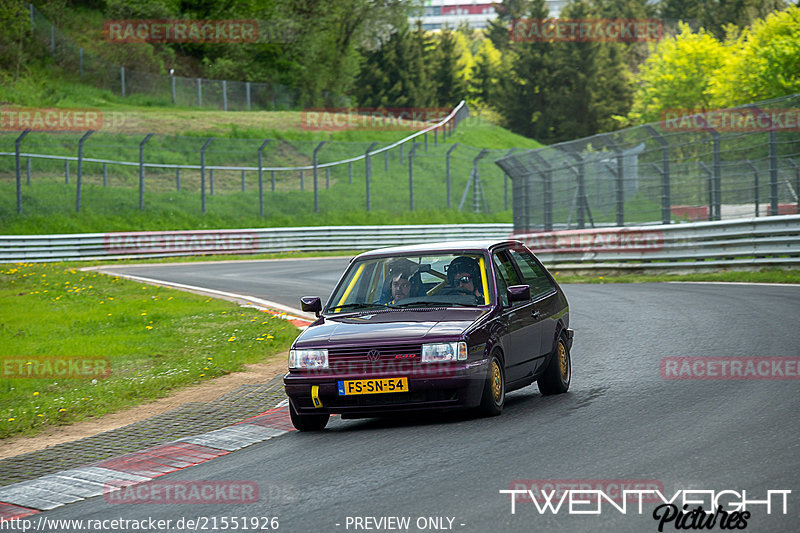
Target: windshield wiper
[437, 304]
[359, 305]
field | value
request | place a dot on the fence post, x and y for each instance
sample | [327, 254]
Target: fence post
[709, 188]
[224, 95]
[327, 177]
[203, 175]
[581, 193]
[261, 176]
[350, 172]
[447, 172]
[272, 177]
[368, 170]
[178, 179]
[211, 181]
[755, 183]
[172, 84]
[316, 188]
[411, 175]
[80, 51]
[302, 180]
[247, 93]
[425, 135]
[28, 170]
[141, 170]
[105, 175]
[717, 183]
[80, 170]
[19, 177]
[548, 193]
[386, 161]
[505, 180]
[476, 183]
[122, 79]
[199, 92]
[773, 173]
[243, 181]
[796, 182]
[66, 171]
[666, 200]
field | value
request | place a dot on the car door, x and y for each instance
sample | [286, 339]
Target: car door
[518, 348]
[544, 302]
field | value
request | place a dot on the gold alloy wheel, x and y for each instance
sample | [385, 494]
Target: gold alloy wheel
[562, 361]
[497, 382]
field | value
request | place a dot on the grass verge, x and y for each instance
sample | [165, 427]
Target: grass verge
[154, 339]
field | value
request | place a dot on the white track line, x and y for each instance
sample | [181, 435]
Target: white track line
[267, 304]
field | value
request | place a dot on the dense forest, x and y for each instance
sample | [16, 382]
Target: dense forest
[714, 54]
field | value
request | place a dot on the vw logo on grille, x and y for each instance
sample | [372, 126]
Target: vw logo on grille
[373, 355]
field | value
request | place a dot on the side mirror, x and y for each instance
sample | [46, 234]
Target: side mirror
[311, 304]
[518, 293]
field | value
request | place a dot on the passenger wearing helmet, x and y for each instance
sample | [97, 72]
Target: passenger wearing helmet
[464, 276]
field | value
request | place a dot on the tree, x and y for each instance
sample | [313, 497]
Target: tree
[507, 12]
[448, 83]
[762, 63]
[677, 75]
[486, 73]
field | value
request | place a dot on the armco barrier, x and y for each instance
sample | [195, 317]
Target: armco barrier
[753, 242]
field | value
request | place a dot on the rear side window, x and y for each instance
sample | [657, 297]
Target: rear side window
[533, 273]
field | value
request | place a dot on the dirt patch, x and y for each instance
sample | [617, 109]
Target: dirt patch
[202, 392]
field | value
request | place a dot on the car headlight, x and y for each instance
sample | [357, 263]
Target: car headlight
[314, 359]
[444, 351]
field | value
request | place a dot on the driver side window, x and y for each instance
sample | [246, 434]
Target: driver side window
[506, 275]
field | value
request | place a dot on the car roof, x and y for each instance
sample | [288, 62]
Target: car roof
[442, 246]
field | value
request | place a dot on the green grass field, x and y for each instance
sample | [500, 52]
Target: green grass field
[153, 339]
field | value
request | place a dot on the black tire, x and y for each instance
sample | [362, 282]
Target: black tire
[557, 377]
[307, 422]
[494, 388]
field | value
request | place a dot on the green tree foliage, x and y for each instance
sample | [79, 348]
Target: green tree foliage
[677, 75]
[449, 85]
[716, 15]
[762, 63]
[16, 30]
[486, 72]
[498, 29]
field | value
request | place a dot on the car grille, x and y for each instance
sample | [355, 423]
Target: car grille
[391, 357]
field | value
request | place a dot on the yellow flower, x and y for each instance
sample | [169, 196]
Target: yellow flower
[143, 314]
[39, 415]
[270, 336]
[61, 410]
[102, 302]
[232, 339]
[210, 358]
[205, 368]
[259, 338]
[170, 298]
[110, 297]
[149, 327]
[201, 375]
[10, 419]
[36, 394]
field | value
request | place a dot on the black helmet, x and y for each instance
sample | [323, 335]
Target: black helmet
[463, 264]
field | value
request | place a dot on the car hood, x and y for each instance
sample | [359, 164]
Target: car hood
[401, 326]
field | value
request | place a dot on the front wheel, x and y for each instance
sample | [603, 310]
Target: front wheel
[494, 389]
[558, 375]
[307, 422]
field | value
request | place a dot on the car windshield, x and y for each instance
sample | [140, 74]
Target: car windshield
[413, 281]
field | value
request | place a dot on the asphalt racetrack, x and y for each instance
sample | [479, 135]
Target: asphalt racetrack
[621, 422]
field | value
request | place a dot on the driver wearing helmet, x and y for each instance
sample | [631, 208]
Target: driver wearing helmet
[464, 276]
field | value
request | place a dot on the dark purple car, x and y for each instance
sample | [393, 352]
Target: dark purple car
[433, 326]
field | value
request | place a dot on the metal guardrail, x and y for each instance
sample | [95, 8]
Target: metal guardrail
[752, 242]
